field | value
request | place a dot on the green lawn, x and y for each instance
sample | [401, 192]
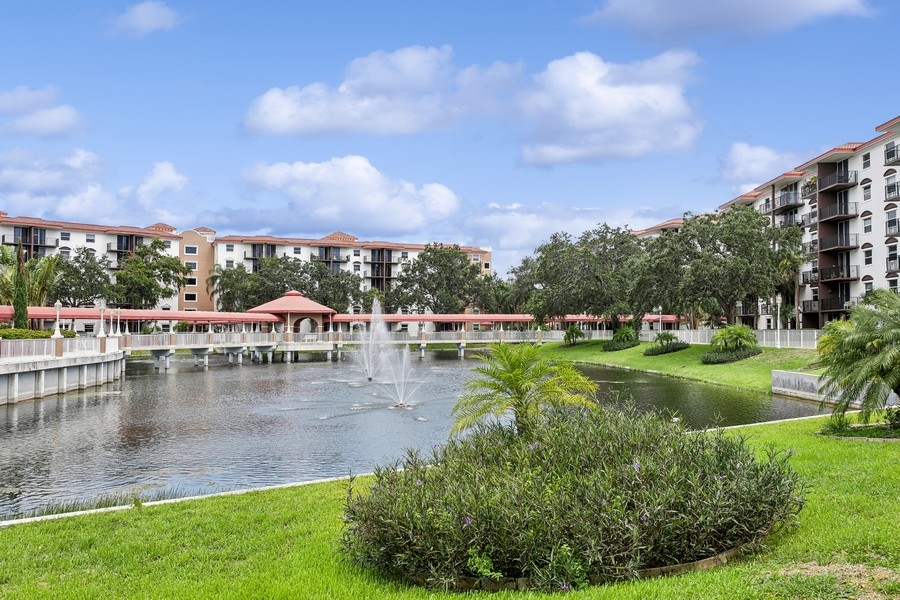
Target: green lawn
[752, 373]
[284, 543]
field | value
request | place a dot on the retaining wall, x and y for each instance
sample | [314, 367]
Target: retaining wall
[40, 377]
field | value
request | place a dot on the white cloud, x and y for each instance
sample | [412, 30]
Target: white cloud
[46, 122]
[345, 193]
[669, 20]
[584, 109]
[163, 178]
[747, 166]
[147, 17]
[24, 99]
[385, 93]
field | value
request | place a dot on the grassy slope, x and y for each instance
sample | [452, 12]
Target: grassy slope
[752, 373]
[284, 543]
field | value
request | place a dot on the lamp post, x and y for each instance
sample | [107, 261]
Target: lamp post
[778, 320]
[102, 333]
[119, 322]
[56, 332]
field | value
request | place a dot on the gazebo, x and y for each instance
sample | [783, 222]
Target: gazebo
[294, 309]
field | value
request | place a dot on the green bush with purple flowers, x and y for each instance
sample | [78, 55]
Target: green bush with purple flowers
[588, 496]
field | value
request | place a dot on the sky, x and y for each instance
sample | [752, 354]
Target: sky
[492, 124]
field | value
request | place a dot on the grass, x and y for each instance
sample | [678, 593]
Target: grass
[284, 543]
[753, 373]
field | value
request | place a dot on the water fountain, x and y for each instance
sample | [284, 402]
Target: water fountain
[380, 362]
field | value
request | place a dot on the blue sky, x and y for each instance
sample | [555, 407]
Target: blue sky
[493, 124]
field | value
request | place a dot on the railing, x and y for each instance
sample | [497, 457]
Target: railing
[850, 240]
[149, 340]
[892, 191]
[839, 272]
[790, 222]
[786, 199]
[765, 208]
[192, 339]
[841, 209]
[808, 191]
[28, 240]
[837, 303]
[809, 306]
[891, 156]
[811, 247]
[892, 227]
[892, 264]
[810, 218]
[838, 180]
[25, 348]
[809, 277]
[82, 345]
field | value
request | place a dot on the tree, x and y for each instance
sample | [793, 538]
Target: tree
[734, 338]
[592, 275]
[515, 377]
[82, 279]
[20, 295]
[861, 355]
[234, 288]
[572, 335]
[730, 256]
[148, 275]
[338, 290]
[442, 280]
[278, 275]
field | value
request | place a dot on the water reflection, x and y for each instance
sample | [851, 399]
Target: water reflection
[229, 427]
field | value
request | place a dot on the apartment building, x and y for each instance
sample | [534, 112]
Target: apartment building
[40, 237]
[657, 230]
[378, 263]
[846, 201]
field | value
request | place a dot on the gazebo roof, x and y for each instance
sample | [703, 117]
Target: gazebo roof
[292, 302]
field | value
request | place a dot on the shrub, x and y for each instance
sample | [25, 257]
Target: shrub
[614, 346]
[14, 333]
[591, 496]
[892, 416]
[734, 337]
[664, 343]
[572, 335]
[624, 337]
[720, 357]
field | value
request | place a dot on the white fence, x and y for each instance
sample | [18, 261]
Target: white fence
[81, 345]
[25, 348]
[767, 338]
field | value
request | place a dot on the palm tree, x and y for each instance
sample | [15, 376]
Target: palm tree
[734, 337]
[515, 377]
[861, 355]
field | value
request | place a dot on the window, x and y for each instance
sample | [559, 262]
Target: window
[167, 243]
[486, 265]
[298, 250]
[867, 192]
[229, 247]
[89, 238]
[191, 264]
[867, 256]
[190, 297]
[229, 264]
[356, 267]
[166, 328]
[65, 252]
[404, 255]
[89, 328]
[867, 286]
[892, 285]
[356, 252]
[191, 281]
[190, 249]
[867, 225]
[867, 160]
[65, 235]
[476, 258]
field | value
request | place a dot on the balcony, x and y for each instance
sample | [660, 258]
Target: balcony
[329, 257]
[839, 242]
[809, 277]
[838, 212]
[121, 248]
[786, 201]
[892, 156]
[839, 273]
[257, 254]
[810, 219]
[809, 306]
[808, 190]
[892, 264]
[765, 208]
[833, 304]
[892, 191]
[790, 222]
[892, 227]
[27, 240]
[811, 247]
[381, 260]
[837, 181]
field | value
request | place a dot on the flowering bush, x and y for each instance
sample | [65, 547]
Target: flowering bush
[589, 496]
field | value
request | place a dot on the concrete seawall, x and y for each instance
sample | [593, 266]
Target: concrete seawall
[806, 386]
[29, 379]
